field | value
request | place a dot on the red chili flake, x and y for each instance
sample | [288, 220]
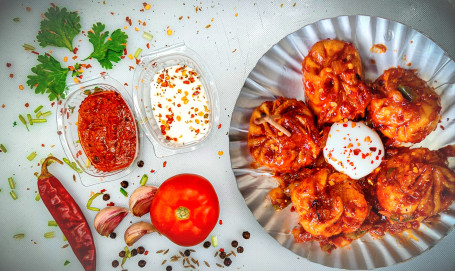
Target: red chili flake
[27, 105]
[75, 50]
[373, 149]
[103, 190]
[442, 127]
[131, 68]
[36, 53]
[110, 204]
[364, 156]
[11, 75]
[137, 61]
[371, 161]
[196, 93]
[3, 105]
[146, 252]
[152, 171]
[125, 52]
[122, 57]
[148, 46]
[377, 157]
[345, 125]
[28, 9]
[220, 222]
[102, 73]
[292, 208]
[380, 151]
[59, 132]
[88, 66]
[356, 151]
[219, 126]
[8, 64]
[164, 163]
[192, 115]
[221, 249]
[112, 13]
[186, 82]
[42, 145]
[126, 84]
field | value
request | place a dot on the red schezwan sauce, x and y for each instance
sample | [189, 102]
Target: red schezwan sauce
[107, 131]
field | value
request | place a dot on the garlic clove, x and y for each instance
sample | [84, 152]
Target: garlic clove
[136, 231]
[141, 199]
[108, 219]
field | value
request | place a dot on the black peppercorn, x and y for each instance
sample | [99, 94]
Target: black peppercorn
[234, 243]
[168, 268]
[106, 197]
[140, 163]
[140, 250]
[227, 261]
[222, 255]
[115, 263]
[187, 252]
[113, 235]
[246, 235]
[122, 254]
[124, 184]
[141, 263]
[240, 249]
[134, 252]
[207, 244]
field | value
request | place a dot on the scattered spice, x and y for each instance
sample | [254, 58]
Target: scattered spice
[222, 255]
[140, 250]
[206, 244]
[106, 197]
[168, 268]
[122, 254]
[19, 236]
[187, 252]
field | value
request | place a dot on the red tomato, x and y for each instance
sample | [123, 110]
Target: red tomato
[185, 209]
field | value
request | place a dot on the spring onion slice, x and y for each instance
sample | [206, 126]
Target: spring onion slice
[214, 240]
[13, 195]
[11, 183]
[31, 156]
[123, 192]
[3, 148]
[408, 93]
[89, 202]
[50, 234]
[52, 223]
[38, 197]
[144, 179]
[38, 109]
[138, 51]
[28, 47]
[45, 114]
[19, 236]
[64, 238]
[38, 120]
[147, 36]
[29, 117]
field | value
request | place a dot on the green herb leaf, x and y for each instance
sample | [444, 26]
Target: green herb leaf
[108, 51]
[58, 28]
[77, 70]
[49, 77]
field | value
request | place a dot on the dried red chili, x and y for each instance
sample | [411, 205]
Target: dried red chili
[68, 216]
[107, 131]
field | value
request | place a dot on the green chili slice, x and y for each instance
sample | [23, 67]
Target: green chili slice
[29, 117]
[3, 148]
[45, 114]
[12, 185]
[89, 202]
[123, 192]
[52, 223]
[147, 36]
[38, 120]
[38, 197]
[144, 179]
[408, 93]
[214, 240]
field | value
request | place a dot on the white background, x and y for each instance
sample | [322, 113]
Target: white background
[230, 48]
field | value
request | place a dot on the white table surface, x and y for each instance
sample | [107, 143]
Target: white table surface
[230, 48]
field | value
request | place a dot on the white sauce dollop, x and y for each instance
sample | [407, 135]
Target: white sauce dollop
[354, 149]
[180, 105]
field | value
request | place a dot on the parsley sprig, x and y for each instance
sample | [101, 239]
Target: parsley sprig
[58, 28]
[108, 51]
[49, 77]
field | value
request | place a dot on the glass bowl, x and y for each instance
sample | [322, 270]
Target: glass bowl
[67, 117]
[144, 74]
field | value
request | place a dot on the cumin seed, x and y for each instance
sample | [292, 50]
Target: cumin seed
[181, 254]
[206, 263]
[65, 246]
[159, 251]
[167, 250]
[219, 265]
[164, 262]
[216, 254]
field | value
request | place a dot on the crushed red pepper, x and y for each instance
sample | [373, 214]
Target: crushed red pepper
[107, 131]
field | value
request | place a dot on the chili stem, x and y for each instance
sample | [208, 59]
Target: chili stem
[3, 148]
[11, 183]
[144, 179]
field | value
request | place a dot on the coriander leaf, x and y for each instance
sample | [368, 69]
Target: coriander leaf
[108, 51]
[58, 28]
[49, 77]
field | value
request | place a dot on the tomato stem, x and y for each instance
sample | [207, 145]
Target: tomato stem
[182, 213]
